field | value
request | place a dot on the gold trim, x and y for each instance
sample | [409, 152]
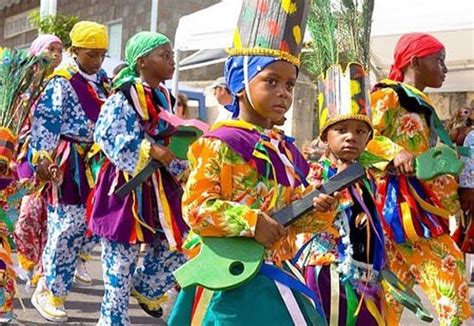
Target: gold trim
[343, 117]
[265, 52]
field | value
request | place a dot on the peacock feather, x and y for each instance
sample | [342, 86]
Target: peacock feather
[340, 31]
[21, 79]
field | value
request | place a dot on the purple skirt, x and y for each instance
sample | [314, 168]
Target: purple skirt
[321, 285]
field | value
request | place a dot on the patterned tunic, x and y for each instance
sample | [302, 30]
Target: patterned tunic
[224, 196]
[418, 244]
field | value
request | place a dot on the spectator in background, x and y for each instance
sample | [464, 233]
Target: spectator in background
[314, 150]
[224, 98]
[182, 106]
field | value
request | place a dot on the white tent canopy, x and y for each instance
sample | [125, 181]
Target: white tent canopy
[450, 21]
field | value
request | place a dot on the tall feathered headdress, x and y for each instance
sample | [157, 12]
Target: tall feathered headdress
[21, 79]
[340, 31]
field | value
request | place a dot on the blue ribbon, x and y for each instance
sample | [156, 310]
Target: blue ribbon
[391, 210]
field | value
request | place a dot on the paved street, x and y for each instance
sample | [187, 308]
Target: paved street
[83, 305]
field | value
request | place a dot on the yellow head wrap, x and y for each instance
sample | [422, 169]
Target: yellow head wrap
[89, 35]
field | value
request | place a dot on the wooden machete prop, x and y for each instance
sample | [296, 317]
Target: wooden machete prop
[180, 142]
[226, 263]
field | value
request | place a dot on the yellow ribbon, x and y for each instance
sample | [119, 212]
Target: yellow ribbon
[142, 100]
[201, 308]
[427, 206]
[369, 303]
[273, 201]
[135, 214]
[407, 220]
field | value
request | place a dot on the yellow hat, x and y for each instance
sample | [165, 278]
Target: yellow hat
[89, 35]
[344, 96]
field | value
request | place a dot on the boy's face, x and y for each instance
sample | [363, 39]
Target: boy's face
[90, 60]
[432, 69]
[272, 90]
[347, 139]
[159, 63]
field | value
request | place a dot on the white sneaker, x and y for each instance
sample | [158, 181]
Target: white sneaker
[41, 301]
[81, 276]
[167, 306]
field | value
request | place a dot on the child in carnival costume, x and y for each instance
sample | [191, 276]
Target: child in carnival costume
[343, 264]
[416, 208]
[244, 169]
[21, 77]
[30, 229]
[133, 130]
[63, 154]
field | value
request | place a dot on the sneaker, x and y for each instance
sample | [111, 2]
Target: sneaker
[41, 301]
[167, 306]
[81, 276]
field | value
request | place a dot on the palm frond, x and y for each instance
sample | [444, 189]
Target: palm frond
[340, 31]
[21, 78]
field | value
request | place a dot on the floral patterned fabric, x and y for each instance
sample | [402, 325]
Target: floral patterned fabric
[31, 231]
[351, 253]
[59, 112]
[438, 268]
[119, 133]
[397, 128]
[66, 230]
[466, 179]
[62, 130]
[224, 196]
[122, 276]
[11, 193]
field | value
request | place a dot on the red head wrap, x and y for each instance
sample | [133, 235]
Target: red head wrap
[412, 45]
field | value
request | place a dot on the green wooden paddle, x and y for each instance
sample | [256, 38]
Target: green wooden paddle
[226, 263]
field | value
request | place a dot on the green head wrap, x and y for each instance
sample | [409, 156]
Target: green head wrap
[139, 45]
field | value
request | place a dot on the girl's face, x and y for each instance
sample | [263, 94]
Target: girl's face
[271, 92]
[158, 64]
[55, 52]
[432, 70]
[347, 139]
[89, 60]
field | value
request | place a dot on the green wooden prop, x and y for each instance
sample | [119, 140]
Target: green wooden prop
[438, 161]
[405, 296]
[238, 259]
[226, 263]
[182, 140]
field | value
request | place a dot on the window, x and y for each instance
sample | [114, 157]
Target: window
[17, 24]
[115, 39]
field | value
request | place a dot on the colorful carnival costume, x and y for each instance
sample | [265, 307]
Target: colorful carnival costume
[31, 228]
[21, 77]
[343, 264]
[239, 170]
[415, 211]
[131, 120]
[62, 133]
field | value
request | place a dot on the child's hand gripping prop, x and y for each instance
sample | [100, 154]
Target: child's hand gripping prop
[226, 263]
[180, 142]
